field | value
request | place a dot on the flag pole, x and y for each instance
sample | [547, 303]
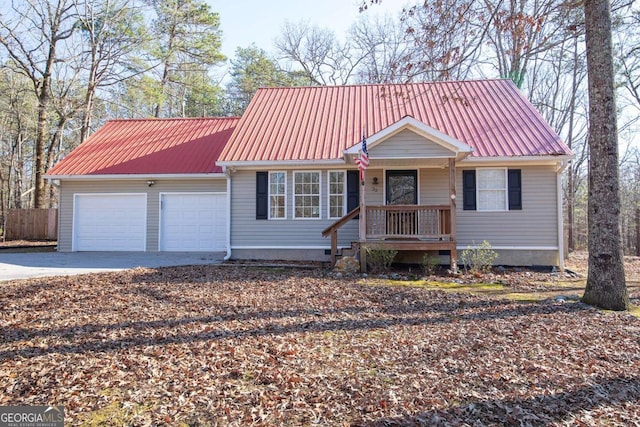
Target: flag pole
[363, 206]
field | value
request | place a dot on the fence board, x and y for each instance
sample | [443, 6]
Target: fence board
[32, 224]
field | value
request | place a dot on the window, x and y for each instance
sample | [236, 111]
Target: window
[336, 194]
[492, 189]
[277, 195]
[306, 194]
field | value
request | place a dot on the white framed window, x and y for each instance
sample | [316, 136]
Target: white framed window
[306, 195]
[277, 195]
[492, 189]
[337, 194]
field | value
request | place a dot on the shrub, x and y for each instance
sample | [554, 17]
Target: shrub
[379, 260]
[429, 263]
[480, 258]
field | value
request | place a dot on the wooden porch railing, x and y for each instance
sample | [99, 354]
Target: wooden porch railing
[409, 222]
[402, 222]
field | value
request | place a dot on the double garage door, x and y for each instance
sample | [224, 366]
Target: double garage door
[118, 222]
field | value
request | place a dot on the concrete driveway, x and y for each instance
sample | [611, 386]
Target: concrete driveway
[40, 264]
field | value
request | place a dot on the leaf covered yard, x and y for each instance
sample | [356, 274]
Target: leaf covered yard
[231, 345]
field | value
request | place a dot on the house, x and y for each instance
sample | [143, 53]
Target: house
[451, 164]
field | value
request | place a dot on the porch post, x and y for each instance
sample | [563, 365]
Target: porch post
[363, 225]
[452, 201]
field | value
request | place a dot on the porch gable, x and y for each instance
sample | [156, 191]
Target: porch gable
[409, 138]
[407, 144]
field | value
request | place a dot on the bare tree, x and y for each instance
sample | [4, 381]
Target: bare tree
[323, 59]
[18, 111]
[383, 48]
[112, 30]
[606, 285]
[627, 53]
[31, 34]
[520, 30]
[445, 38]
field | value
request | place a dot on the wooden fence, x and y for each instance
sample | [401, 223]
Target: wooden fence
[32, 224]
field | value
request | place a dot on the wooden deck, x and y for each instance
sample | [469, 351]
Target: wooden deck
[402, 228]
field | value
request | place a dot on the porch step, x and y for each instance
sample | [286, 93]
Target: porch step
[350, 251]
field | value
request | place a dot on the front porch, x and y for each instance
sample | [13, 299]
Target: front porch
[402, 228]
[416, 207]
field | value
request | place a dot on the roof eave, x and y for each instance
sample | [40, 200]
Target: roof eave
[529, 160]
[128, 177]
[248, 164]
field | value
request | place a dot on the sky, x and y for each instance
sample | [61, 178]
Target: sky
[254, 21]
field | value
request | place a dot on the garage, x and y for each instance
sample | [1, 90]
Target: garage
[193, 222]
[109, 222]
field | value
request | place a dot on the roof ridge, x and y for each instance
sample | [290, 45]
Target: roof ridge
[437, 82]
[166, 119]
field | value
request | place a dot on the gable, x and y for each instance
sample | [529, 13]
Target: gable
[408, 144]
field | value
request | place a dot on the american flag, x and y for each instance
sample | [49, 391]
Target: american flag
[363, 160]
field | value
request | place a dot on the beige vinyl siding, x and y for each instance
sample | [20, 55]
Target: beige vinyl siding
[68, 188]
[533, 226]
[408, 144]
[248, 232]
[433, 186]
[374, 194]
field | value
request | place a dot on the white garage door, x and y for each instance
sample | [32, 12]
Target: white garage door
[110, 222]
[193, 222]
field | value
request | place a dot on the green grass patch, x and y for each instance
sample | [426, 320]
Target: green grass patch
[634, 311]
[525, 296]
[477, 288]
[115, 414]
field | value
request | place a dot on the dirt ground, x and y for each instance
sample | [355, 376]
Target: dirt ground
[232, 345]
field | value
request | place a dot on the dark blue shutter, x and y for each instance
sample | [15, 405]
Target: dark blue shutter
[353, 190]
[515, 189]
[262, 195]
[469, 190]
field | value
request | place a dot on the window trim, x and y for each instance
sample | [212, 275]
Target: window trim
[269, 196]
[505, 190]
[344, 193]
[293, 195]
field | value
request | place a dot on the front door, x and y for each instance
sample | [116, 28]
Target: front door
[401, 189]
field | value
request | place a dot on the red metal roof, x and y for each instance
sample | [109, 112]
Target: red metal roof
[319, 123]
[150, 146]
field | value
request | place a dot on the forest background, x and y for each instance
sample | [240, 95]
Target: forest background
[67, 66]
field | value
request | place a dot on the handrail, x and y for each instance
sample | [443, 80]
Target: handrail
[342, 221]
[333, 231]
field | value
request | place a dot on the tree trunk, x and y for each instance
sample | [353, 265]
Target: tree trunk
[606, 286]
[637, 251]
[571, 197]
[570, 211]
[88, 112]
[41, 135]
